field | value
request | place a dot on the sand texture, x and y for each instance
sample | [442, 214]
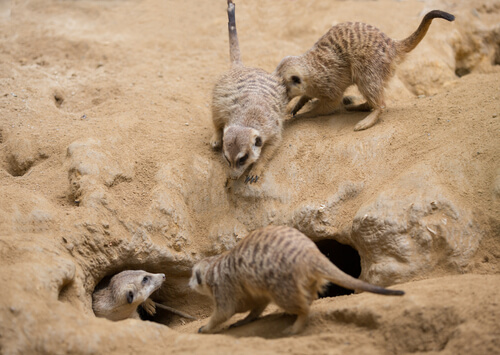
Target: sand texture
[105, 165]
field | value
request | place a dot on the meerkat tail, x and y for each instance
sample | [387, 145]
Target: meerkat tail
[175, 311]
[234, 46]
[338, 277]
[408, 44]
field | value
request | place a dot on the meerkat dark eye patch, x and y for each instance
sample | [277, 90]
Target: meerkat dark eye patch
[130, 297]
[296, 79]
[243, 159]
[145, 280]
[198, 277]
[258, 141]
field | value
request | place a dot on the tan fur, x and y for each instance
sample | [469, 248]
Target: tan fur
[272, 264]
[248, 107]
[349, 53]
[125, 292]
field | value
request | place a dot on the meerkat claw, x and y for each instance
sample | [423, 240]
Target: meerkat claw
[251, 179]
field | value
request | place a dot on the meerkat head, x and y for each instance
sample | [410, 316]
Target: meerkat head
[198, 281]
[241, 148]
[135, 286]
[294, 75]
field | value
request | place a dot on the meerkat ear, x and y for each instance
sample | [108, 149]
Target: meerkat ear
[198, 277]
[130, 296]
[258, 141]
[296, 79]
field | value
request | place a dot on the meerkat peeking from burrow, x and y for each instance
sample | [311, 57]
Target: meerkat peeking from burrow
[272, 264]
[125, 292]
[248, 108]
[349, 53]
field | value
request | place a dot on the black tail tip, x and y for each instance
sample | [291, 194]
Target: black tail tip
[440, 14]
[395, 292]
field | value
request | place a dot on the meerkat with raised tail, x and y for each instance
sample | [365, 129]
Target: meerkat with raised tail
[349, 53]
[248, 108]
[273, 264]
[125, 292]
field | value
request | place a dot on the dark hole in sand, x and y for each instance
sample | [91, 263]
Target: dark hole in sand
[346, 258]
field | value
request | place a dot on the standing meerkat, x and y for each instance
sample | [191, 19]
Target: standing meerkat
[248, 108]
[125, 292]
[272, 264]
[349, 53]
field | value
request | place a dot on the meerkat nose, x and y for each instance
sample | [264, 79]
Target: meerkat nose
[163, 275]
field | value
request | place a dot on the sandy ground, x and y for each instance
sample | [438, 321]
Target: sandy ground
[132, 80]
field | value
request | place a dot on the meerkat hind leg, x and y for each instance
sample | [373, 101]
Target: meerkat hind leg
[215, 320]
[253, 315]
[373, 91]
[364, 107]
[369, 120]
[298, 326]
[374, 101]
[351, 103]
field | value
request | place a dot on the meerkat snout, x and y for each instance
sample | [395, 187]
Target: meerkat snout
[148, 284]
[241, 148]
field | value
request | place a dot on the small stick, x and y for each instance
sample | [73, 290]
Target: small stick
[173, 310]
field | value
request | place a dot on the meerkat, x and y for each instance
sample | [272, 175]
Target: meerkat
[248, 109]
[273, 264]
[125, 292]
[349, 53]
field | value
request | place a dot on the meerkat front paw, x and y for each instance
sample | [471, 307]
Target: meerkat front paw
[368, 121]
[250, 179]
[297, 108]
[256, 173]
[149, 306]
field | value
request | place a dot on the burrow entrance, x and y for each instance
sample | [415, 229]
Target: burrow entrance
[346, 258]
[174, 292]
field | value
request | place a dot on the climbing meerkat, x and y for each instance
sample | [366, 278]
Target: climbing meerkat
[125, 292]
[272, 264]
[349, 53]
[248, 108]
